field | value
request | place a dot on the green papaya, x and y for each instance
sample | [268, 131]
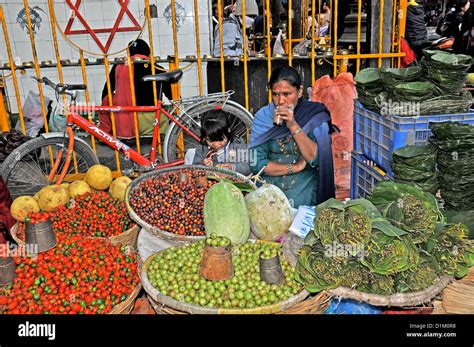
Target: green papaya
[225, 213]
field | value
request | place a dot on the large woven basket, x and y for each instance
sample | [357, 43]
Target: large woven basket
[316, 304]
[394, 300]
[127, 238]
[170, 305]
[157, 231]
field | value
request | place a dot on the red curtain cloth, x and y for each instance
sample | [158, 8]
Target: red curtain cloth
[338, 96]
[6, 219]
[124, 122]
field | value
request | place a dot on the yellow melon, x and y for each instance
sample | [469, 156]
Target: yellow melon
[23, 205]
[118, 187]
[78, 188]
[51, 197]
[99, 177]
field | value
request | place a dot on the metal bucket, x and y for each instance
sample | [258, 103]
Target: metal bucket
[7, 271]
[41, 234]
[216, 263]
[271, 271]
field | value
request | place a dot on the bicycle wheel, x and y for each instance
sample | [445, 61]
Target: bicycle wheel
[25, 171]
[239, 118]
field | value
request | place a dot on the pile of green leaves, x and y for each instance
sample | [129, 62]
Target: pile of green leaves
[416, 279]
[446, 71]
[388, 255]
[369, 85]
[353, 246]
[316, 271]
[408, 208]
[395, 243]
[449, 250]
[349, 223]
[416, 165]
[455, 163]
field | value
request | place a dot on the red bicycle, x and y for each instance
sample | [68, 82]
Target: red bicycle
[64, 157]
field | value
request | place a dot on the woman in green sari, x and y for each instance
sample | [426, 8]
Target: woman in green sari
[295, 156]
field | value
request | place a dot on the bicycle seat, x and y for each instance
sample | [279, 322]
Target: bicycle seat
[171, 77]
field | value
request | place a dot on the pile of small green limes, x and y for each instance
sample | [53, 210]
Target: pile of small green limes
[215, 241]
[175, 273]
[269, 253]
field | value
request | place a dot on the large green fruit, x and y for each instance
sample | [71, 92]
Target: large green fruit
[225, 213]
[269, 211]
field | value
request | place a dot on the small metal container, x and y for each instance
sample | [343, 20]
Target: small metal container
[271, 271]
[41, 234]
[216, 263]
[7, 271]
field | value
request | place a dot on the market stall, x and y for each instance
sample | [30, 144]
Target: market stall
[198, 239]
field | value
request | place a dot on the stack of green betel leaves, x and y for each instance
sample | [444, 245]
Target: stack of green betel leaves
[395, 242]
[413, 91]
[455, 163]
[446, 71]
[392, 77]
[369, 86]
[444, 104]
[416, 165]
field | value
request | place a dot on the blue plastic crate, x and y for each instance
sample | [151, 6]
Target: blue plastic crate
[364, 176]
[377, 136]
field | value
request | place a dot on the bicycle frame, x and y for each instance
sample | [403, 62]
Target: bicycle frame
[74, 118]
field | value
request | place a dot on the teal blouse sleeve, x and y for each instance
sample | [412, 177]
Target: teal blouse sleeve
[259, 157]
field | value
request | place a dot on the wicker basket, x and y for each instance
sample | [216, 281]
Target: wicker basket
[127, 238]
[157, 231]
[313, 305]
[166, 304]
[395, 300]
[126, 306]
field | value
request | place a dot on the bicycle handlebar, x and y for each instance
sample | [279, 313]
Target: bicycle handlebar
[61, 88]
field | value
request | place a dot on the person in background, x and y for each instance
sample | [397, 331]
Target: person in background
[296, 154]
[323, 18]
[461, 27]
[416, 33]
[251, 12]
[218, 146]
[326, 14]
[122, 95]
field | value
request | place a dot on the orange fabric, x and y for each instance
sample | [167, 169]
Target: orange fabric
[410, 56]
[124, 123]
[338, 95]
